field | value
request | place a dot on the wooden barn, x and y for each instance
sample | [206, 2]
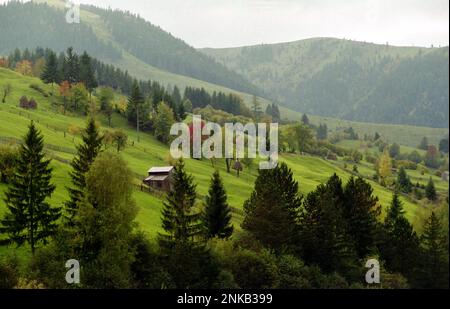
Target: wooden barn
[160, 178]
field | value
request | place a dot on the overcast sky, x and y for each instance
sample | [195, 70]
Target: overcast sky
[227, 23]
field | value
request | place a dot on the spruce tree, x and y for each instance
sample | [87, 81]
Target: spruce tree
[87, 73]
[50, 73]
[324, 238]
[403, 181]
[71, 67]
[430, 190]
[361, 211]
[86, 154]
[182, 246]
[400, 245]
[305, 120]
[135, 101]
[30, 219]
[181, 224]
[271, 211]
[217, 213]
[434, 262]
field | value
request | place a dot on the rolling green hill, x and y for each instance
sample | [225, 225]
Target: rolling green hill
[60, 145]
[116, 37]
[94, 35]
[349, 80]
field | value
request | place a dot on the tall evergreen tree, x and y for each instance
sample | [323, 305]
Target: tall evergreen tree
[271, 211]
[403, 182]
[135, 102]
[50, 75]
[400, 245]
[87, 75]
[86, 154]
[423, 143]
[182, 245]
[361, 212]
[181, 224]
[430, 190]
[324, 238]
[305, 120]
[256, 109]
[71, 67]
[30, 218]
[434, 261]
[217, 213]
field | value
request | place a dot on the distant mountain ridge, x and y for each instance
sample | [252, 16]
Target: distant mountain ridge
[349, 80]
[110, 36]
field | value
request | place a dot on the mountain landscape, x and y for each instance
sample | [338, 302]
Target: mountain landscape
[348, 79]
[88, 173]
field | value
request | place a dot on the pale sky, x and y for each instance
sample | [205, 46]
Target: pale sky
[229, 23]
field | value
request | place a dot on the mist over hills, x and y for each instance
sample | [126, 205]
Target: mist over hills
[323, 76]
[349, 80]
[110, 36]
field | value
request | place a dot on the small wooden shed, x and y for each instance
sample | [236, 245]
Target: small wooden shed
[160, 178]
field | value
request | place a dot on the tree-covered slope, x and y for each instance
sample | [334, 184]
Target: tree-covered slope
[112, 36]
[350, 80]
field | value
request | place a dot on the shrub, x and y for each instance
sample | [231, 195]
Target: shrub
[39, 89]
[253, 270]
[8, 159]
[27, 104]
[8, 272]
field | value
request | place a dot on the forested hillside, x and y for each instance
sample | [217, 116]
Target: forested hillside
[350, 80]
[105, 34]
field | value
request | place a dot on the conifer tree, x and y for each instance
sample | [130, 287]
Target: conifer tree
[30, 218]
[71, 67]
[86, 154]
[87, 76]
[430, 190]
[135, 101]
[271, 211]
[403, 181]
[361, 211]
[182, 245]
[181, 224]
[434, 261]
[217, 213]
[50, 73]
[324, 238]
[400, 245]
[305, 120]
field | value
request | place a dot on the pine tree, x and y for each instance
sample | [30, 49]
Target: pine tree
[182, 245]
[275, 112]
[50, 75]
[403, 181]
[217, 213]
[324, 238]
[361, 212]
[86, 154]
[271, 211]
[256, 109]
[71, 67]
[135, 101]
[305, 120]
[430, 190]
[30, 219]
[400, 245]
[434, 262]
[423, 143]
[181, 224]
[87, 73]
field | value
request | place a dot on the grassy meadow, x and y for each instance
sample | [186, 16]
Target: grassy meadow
[60, 146]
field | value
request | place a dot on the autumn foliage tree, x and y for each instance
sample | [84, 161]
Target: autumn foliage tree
[24, 67]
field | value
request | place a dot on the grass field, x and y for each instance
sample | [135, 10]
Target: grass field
[309, 171]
